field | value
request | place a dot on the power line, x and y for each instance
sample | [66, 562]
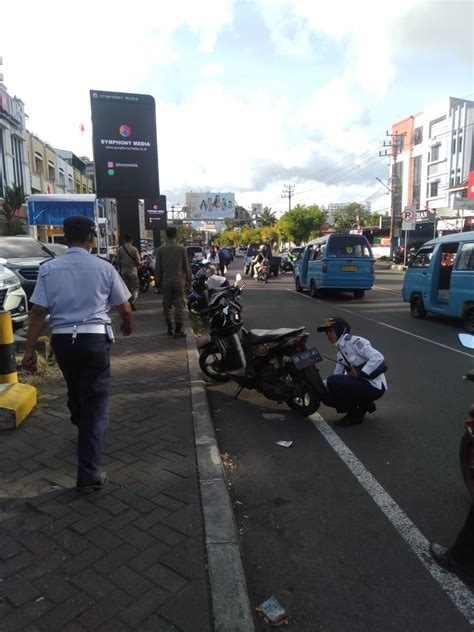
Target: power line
[288, 191]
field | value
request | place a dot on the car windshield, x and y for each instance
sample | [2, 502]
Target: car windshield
[22, 247]
[348, 246]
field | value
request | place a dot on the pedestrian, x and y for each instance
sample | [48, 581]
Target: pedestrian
[213, 257]
[458, 558]
[174, 275]
[358, 379]
[77, 290]
[128, 260]
[222, 260]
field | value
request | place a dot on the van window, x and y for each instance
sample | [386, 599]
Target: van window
[348, 246]
[466, 257]
[423, 258]
[318, 252]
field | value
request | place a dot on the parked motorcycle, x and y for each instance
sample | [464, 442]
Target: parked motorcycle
[287, 265]
[274, 362]
[466, 447]
[145, 276]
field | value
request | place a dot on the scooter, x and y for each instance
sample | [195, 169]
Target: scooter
[264, 271]
[466, 447]
[145, 276]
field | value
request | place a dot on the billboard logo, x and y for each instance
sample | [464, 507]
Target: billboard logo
[110, 165]
[125, 131]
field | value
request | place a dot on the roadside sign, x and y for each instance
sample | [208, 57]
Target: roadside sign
[408, 225]
[408, 216]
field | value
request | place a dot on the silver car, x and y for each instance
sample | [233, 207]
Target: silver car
[12, 296]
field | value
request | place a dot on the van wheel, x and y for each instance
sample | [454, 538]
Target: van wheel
[417, 307]
[359, 293]
[468, 319]
[298, 287]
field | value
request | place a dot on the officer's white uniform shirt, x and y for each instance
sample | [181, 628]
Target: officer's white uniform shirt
[78, 288]
[359, 351]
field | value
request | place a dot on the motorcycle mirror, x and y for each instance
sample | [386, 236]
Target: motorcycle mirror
[238, 277]
[467, 340]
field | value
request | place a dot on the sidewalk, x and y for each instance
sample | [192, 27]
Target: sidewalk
[133, 556]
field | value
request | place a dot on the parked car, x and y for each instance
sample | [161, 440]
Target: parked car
[24, 256]
[240, 251]
[197, 253]
[57, 249]
[12, 296]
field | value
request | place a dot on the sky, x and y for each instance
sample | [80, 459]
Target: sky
[251, 95]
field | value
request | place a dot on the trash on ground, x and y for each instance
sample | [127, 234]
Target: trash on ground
[272, 612]
[285, 444]
[273, 416]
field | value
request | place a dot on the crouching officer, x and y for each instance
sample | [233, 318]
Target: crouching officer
[358, 379]
[78, 290]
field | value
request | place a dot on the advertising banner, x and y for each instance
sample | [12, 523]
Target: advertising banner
[210, 206]
[257, 208]
[125, 145]
[155, 213]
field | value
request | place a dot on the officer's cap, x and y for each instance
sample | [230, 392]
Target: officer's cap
[340, 325]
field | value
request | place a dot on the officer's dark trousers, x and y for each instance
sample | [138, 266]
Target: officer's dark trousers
[85, 365]
[463, 549]
[351, 394]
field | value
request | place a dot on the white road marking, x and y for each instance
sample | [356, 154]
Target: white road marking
[456, 590]
[385, 289]
[379, 322]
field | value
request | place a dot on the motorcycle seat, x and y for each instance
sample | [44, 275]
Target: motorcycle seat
[259, 336]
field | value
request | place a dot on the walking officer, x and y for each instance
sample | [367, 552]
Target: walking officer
[173, 274]
[78, 290]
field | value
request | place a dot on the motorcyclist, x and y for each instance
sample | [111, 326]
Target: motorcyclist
[358, 379]
[259, 260]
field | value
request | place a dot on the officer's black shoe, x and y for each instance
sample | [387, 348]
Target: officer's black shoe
[179, 332]
[371, 407]
[445, 559]
[170, 331]
[93, 487]
[350, 420]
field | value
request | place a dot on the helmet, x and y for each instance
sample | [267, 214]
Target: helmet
[261, 248]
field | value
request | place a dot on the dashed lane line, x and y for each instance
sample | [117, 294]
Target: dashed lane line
[457, 591]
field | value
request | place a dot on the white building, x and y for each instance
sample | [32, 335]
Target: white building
[431, 159]
[14, 167]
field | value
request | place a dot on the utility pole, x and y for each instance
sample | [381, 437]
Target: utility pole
[288, 191]
[393, 147]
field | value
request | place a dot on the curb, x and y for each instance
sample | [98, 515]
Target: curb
[230, 602]
[16, 403]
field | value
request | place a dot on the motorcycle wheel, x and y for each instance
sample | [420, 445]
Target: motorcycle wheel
[208, 368]
[144, 286]
[308, 402]
[466, 459]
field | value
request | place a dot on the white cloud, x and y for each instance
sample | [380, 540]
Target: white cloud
[212, 70]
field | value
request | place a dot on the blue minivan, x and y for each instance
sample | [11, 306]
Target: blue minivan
[440, 279]
[335, 262]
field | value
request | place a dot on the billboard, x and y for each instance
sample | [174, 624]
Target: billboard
[125, 145]
[257, 208]
[210, 206]
[155, 213]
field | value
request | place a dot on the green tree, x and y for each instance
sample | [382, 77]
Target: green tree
[13, 200]
[302, 223]
[351, 216]
[267, 217]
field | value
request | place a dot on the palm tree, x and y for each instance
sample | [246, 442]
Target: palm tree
[267, 217]
[13, 200]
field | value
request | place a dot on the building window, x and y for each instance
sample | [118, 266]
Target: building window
[435, 153]
[62, 179]
[17, 150]
[434, 189]
[416, 191]
[460, 144]
[70, 184]
[3, 170]
[418, 136]
[51, 171]
[453, 146]
[38, 163]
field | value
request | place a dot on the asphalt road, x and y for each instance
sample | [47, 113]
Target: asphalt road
[337, 526]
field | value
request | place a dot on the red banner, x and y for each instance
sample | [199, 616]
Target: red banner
[470, 185]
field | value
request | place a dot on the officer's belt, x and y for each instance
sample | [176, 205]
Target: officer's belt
[81, 329]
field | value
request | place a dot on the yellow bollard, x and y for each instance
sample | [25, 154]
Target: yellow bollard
[16, 400]
[8, 374]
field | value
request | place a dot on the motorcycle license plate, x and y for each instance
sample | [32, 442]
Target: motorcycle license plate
[304, 359]
[349, 268]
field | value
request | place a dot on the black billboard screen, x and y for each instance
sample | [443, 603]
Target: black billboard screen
[155, 213]
[125, 145]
